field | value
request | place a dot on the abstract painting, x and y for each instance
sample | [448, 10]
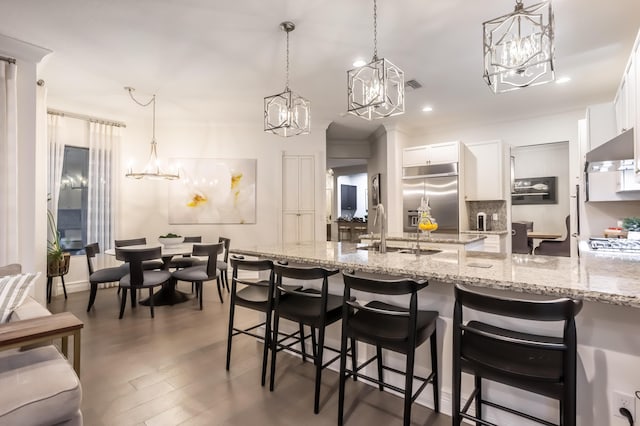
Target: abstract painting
[213, 190]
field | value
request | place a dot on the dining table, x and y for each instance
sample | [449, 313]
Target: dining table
[168, 294]
[543, 235]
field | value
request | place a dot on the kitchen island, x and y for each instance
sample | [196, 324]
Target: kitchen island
[609, 283]
[438, 240]
[608, 277]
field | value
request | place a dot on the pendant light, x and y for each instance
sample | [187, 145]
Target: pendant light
[152, 169]
[375, 90]
[518, 48]
[287, 114]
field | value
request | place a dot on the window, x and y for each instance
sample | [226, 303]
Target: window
[73, 200]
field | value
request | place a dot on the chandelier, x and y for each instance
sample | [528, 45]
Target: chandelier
[152, 169]
[518, 48]
[375, 90]
[287, 114]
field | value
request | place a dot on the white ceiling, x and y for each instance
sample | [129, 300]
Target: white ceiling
[216, 60]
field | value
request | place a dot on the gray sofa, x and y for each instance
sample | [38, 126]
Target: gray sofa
[39, 386]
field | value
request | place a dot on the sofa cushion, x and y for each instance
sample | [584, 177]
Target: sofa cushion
[13, 291]
[39, 385]
[29, 309]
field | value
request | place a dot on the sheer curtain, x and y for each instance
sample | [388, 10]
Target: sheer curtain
[104, 140]
[9, 218]
[55, 161]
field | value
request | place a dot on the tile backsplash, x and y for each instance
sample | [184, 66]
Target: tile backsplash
[489, 207]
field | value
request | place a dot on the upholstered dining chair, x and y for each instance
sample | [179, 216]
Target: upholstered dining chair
[200, 273]
[138, 278]
[187, 260]
[148, 265]
[223, 264]
[100, 276]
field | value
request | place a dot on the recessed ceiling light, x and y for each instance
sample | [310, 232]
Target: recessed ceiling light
[563, 80]
[427, 109]
[359, 63]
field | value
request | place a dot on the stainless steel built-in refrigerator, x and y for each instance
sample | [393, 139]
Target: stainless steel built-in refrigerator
[438, 183]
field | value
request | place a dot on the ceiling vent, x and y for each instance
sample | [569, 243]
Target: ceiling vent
[414, 84]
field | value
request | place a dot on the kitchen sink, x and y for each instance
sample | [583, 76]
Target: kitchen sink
[376, 248]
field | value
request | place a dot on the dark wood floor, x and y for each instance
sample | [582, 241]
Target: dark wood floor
[170, 370]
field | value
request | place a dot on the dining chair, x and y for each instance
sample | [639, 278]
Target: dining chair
[223, 263]
[138, 278]
[148, 265]
[100, 276]
[368, 318]
[187, 260]
[305, 306]
[200, 273]
[496, 346]
[520, 243]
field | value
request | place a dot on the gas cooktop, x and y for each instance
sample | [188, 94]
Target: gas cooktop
[614, 244]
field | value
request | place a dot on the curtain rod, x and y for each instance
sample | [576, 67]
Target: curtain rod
[6, 59]
[85, 118]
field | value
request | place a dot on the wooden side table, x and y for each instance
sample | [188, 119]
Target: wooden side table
[42, 329]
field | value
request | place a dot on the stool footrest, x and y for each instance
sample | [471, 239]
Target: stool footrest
[474, 395]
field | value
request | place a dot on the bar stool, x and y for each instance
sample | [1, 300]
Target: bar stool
[536, 363]
[388, 327]
[306, 306]
[257, 295]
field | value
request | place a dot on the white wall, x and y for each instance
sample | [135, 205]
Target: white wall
[144, 204]
[32, 163]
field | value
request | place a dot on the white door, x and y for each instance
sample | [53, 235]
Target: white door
[298, 198]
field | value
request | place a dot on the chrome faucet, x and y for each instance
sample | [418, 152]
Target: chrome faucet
[383, 231]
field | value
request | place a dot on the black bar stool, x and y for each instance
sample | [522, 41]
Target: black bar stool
[536, 363]
[306, 306]
[257, 294]
[389, 327]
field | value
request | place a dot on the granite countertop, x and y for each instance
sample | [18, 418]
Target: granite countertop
[434, 238]
[476, 232]
[600, 277]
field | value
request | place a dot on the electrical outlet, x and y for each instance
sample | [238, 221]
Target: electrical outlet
[623, 400]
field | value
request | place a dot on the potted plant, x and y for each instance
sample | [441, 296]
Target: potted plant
[57, 259]
[170, 239]
[632, 225]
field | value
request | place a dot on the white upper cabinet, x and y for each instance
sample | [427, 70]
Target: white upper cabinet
[446, 152]
[484, 171]
[627, 100]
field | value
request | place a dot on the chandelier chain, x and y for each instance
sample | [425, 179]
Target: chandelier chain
[287, 83]
[142, 104]
[375, 30]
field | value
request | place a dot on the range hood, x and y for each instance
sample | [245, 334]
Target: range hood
[616, 154]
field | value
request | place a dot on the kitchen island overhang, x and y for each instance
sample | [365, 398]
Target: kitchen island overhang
[596, 277]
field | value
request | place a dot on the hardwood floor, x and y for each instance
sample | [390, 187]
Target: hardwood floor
[170, 370]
